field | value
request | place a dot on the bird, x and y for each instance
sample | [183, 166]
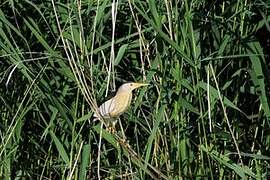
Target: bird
[117, 105]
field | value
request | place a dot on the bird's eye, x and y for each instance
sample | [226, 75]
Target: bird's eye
[131, 84]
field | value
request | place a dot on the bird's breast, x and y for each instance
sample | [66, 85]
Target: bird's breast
[121, 102]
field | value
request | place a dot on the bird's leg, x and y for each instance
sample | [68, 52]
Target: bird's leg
[111, 126]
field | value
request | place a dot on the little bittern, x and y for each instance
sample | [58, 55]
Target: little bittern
[117, 105]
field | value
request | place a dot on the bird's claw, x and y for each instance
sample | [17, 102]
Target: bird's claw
[111, 129]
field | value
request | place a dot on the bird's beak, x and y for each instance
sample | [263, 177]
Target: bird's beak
[137, 85]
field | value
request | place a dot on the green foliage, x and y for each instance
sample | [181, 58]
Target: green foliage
[205, 114]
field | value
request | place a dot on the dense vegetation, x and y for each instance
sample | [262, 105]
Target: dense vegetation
[205, 114]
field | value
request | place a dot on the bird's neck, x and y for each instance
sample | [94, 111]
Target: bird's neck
[124, 93]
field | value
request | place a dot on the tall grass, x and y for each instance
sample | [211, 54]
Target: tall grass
[204, 116]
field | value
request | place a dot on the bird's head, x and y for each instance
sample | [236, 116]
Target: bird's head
[128, 87]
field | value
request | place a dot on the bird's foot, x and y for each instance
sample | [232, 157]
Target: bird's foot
[111, 129]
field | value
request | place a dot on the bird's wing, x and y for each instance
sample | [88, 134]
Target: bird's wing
[115, 106]
[106, 108]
